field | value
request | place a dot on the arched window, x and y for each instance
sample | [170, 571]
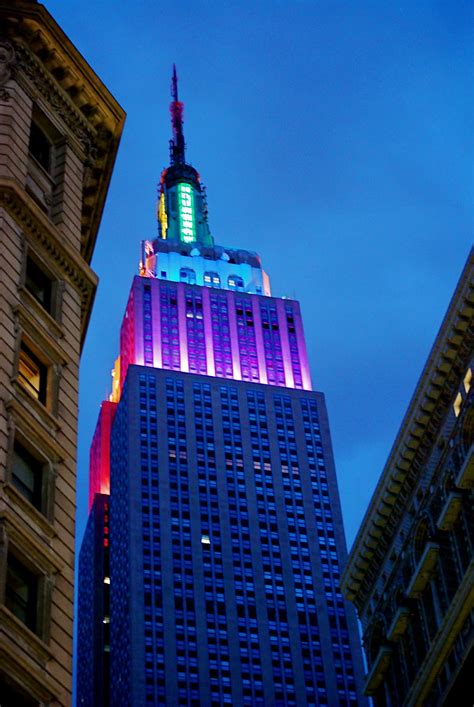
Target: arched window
[212, 279]
[235, 282]
[187, 275]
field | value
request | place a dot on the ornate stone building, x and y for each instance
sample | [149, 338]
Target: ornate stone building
[411, 569]
[59, 133]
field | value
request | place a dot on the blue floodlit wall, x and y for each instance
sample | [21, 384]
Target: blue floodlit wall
[227, 546]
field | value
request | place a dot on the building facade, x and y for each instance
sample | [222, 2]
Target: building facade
[224, 528]
[411, 570]
[59, 133]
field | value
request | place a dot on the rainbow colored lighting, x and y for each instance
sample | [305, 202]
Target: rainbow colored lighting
[99, 459]
[208, 331]
[187, 226]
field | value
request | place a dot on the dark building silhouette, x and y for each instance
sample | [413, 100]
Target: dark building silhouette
[225, 534]
[411, 570]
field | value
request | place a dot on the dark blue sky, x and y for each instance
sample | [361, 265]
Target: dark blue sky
[335, 138]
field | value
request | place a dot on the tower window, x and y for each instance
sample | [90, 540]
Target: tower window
[212, 279]
[187, 275]
[32, 373]
[235, 282]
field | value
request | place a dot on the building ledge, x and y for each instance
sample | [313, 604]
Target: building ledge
[401, 466]
[465, 477]
[40, 229]
[399, 623]
[24, 638]
[423, 571]
[441, 645]
[378, 670]
[19, 504]
[41, 555]
[450, 511]
[24, 656]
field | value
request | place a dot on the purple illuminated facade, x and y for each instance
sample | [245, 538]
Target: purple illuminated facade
[225, 538]
[227, 334]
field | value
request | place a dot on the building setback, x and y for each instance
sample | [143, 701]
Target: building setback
[223, 524]
[411, 570]
[59, 133]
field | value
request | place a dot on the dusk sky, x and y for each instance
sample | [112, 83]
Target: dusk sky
[335, 139]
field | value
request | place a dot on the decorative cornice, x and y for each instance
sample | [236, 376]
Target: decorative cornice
[57, 98]
[39, 553]
[49, 65]
[39, 434]
[22, 655]
[435, 390]
[42, 231]
[7, 62]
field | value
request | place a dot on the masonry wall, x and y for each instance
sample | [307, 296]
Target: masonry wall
[46, 293]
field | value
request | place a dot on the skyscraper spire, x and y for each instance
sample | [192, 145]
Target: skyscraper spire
[177, 144]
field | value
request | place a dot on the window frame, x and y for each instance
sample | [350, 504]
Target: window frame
[51, 316]
[28, 356]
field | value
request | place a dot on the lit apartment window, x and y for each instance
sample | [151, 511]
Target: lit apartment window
[457, 404]
[27, 475]
[39, 284]
[468, 380]
[21, 592]
[32, 374]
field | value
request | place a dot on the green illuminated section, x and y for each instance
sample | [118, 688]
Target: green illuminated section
[187, 227]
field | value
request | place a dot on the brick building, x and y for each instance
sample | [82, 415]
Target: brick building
[59, 133]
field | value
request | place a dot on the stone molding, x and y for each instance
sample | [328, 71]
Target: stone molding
[58, 99]
[7, 63]
[419, 427]
[41, 231]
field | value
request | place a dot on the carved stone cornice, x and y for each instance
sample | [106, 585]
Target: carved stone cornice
[7, 63]
[42, 231]
[49, 65]
[23, 656]
[435, 391]
[57, 98]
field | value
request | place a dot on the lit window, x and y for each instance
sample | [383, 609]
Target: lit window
[468, 380]
[106, 580]
[212, 279]
[457, 404]
[205, 540]
[32, 374]
[235, 282]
